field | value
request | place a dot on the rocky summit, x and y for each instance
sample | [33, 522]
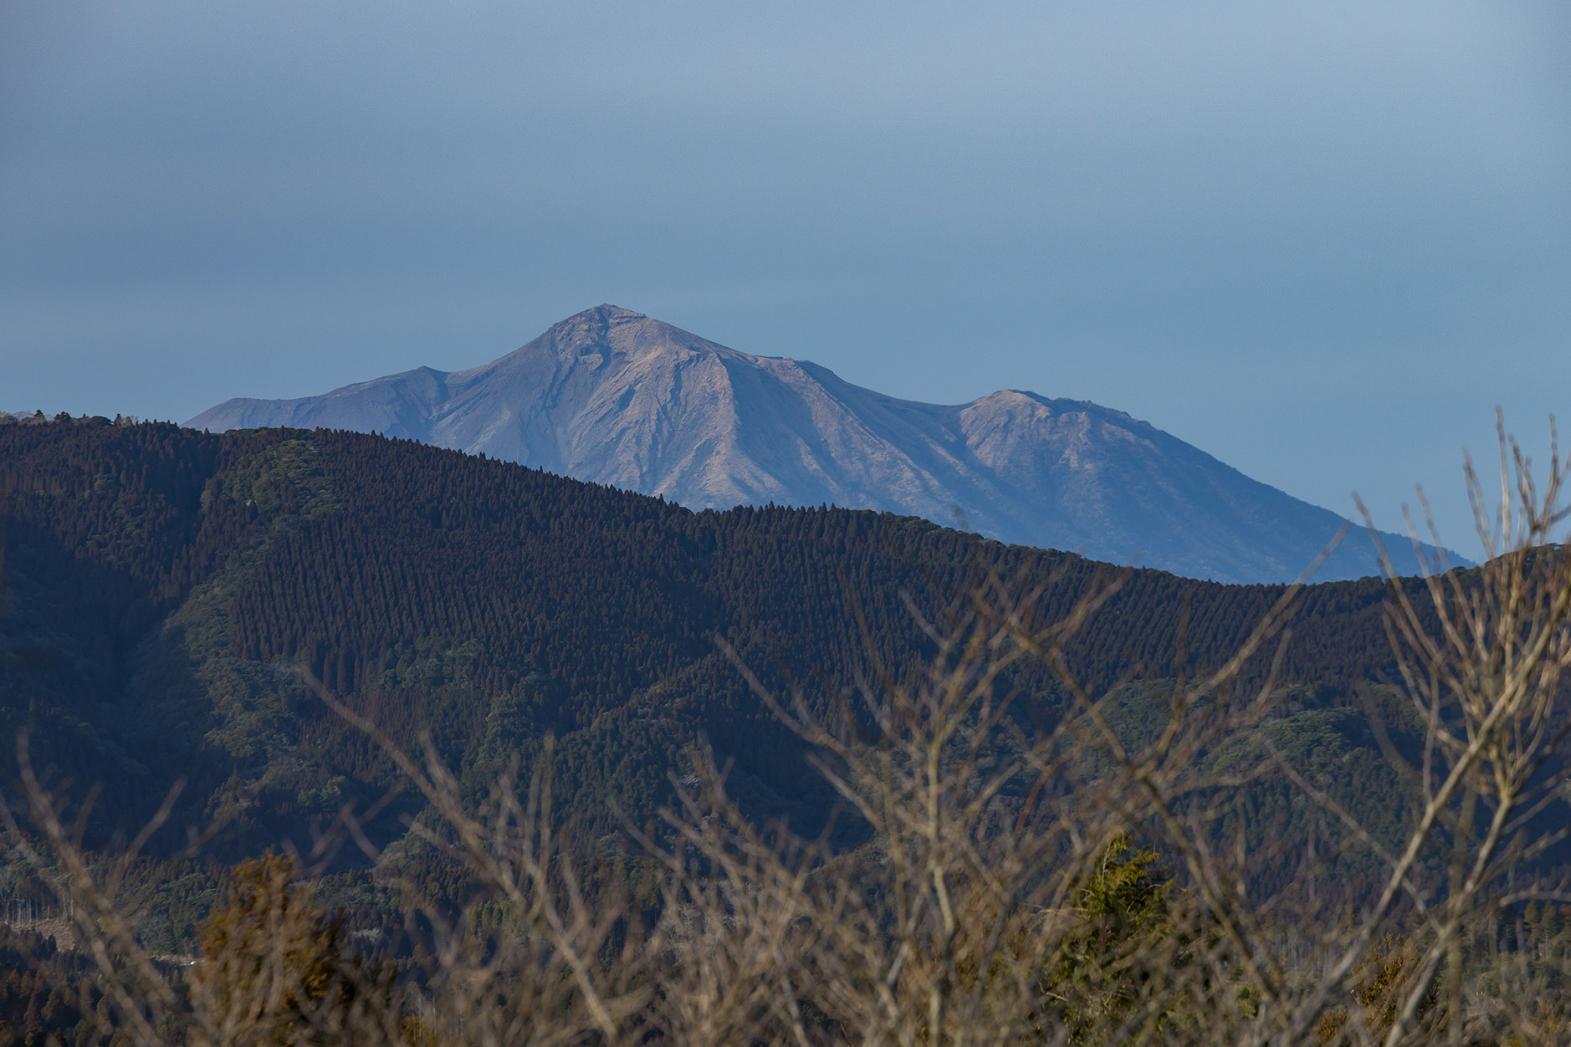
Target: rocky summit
[614, 396]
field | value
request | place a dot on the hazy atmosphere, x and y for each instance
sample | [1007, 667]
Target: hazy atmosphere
[1319, 242]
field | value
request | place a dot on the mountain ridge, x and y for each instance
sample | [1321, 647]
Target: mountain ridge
[618, 397]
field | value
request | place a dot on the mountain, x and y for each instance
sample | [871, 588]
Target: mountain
[616, 397]
[163, 593]
[162, 590]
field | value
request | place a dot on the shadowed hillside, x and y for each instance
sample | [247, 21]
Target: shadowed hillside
[165, 591]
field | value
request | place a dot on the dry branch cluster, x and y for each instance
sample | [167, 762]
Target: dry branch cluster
[999, 886]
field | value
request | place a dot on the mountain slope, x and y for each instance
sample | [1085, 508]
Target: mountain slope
[164, 591]
[160, 589]
[616, 397]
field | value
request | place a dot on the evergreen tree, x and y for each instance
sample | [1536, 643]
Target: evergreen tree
[273, 966]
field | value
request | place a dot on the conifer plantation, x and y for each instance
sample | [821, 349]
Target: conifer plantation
[326, 737]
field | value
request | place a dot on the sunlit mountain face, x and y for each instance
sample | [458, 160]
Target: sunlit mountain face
[617, 397]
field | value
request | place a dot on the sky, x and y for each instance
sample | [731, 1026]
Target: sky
[1323, 242]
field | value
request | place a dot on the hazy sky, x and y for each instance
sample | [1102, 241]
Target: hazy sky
[1321, 241]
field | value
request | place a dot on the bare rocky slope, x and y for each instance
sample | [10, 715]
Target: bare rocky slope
[616, 397]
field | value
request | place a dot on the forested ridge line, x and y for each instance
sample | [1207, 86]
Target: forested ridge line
[165, 589]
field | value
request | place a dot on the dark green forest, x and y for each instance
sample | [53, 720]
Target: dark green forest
[165, 594]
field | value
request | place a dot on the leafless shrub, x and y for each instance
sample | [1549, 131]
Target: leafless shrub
[1072, 886]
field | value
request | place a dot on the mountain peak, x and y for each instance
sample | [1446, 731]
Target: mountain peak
[593, 325]
[612, 395]
[1008, 396]
[606, 331]
[605, 312]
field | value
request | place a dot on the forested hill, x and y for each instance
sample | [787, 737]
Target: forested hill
[162, 589]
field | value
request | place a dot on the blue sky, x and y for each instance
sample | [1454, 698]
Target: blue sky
[1320, 241]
